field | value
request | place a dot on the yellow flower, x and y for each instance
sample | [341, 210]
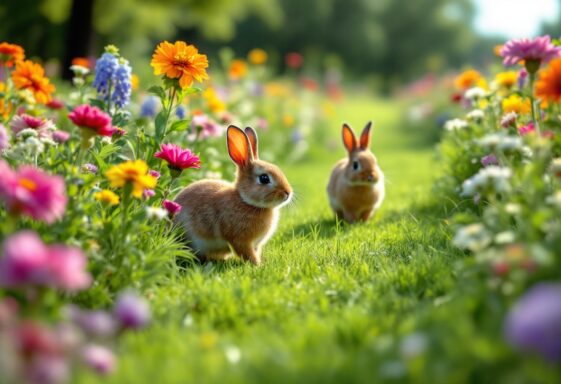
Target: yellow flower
[468, 79]
[134, 81]
[288, 120]
[180, 60]
[107, 196]
[238, 69]
[257, 56]
[506, 79]
[133, 172]
[215, 104]
[515, 103]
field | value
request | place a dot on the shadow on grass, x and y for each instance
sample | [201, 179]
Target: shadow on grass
[324, 227]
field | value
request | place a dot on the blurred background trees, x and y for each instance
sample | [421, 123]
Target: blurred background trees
[385, 41]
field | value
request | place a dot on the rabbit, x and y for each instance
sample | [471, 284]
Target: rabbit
[356, 187]
[243, 215]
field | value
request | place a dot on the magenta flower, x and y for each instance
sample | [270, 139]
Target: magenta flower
[99, 358]
[172, 207]
[93, 119]
[154, 173]
[540, 50]
[32, 192]
[178, 159]
[533, 323]
[132, 311]
[526, 129]
[44, 127]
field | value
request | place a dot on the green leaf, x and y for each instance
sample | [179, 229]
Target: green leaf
[179, 126]
[97, 103]
[160, 124]
[158, 91]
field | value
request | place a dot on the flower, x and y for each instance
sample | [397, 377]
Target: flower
[515, 103]
[474, 237]
[180, 111]
[99, 358]
[27, 260]
[89, 168]
[148, 193]
[44, 127]
[526, 129]
[95, 323]
[475, 93]
[10, 54]
[132, 311]
[106, 196]
[31, 76]
[32, 192]
[294, 60]
[149, 106]
[131, 172]
[548, 86]
[492, 177]
[122, 84]
[207, 127]
[156, 213]
[522, 76]
[237, 70]
[61, 136]
[178, 159]
[172, 207]
[4, 138]
[540, 50]
[501, 142]
[509, 119]
[180, 60]
[92, 120]
[214, 102]
[105, 68]
[532, 324]
[488, 160]
[455, 125]
[154, 173]
[506, 79]
[476, 115]
[257, 56]
[468, 79]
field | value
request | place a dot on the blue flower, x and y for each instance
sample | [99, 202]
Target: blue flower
[122, 89]
[105, 69]
[149, 106]
[180, 112]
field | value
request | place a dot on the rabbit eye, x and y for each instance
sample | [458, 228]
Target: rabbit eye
[264, 179]
[355, 165]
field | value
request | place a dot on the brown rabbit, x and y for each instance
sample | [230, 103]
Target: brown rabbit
[356, 187]
[217, 215]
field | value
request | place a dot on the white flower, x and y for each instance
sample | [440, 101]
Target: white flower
[493, 177]
[33, 145]
[79, 70]
[27, 133]
[508, 119]
[474, 237]
[475, 93]
[233, 354]
[501, 142]
[156, 213]
[505, 237]
[455, 124]
[476, 115]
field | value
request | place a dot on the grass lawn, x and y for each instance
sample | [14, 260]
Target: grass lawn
[331, 303]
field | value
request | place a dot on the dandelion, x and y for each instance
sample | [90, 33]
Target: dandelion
[172, 207]
[32, 192]
[180, 60]
[515, 103]
[474, 237]
[31, 76]
[468, 79]
[533, 52]
[43, 127]
[548, 86]
[257, 56]
[532, 324]
[455, 125]
[237, 70]
[492, 178]
[134, 173]
[132, 311]
[107, 196]
[506, 79]
[177, 158]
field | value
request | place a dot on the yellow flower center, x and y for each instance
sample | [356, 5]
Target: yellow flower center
[30, 185]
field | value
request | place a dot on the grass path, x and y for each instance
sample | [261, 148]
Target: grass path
[328, 300]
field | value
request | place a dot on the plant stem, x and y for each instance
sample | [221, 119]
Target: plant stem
[532, 101]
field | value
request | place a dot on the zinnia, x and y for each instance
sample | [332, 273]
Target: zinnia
[92, 121]
[548, 86]
[469, 79]
[178, 159]
[172, 207]
[134, 173]
[533, 52]
[32, 192]
[44, 127]
[31, 76]
[180, 60]
[10, 54]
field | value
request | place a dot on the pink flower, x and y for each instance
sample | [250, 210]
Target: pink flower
[55, 104]
[539, 50]
[92, 118]
[99, 358]
[206, 126]
[32, 192]
[148, 193]
[67, 268]
[178, 159]
[4, 139]
[526, 129]
[154, 173]
[132, 311]
[172, 207]
[44, 127]
[61, 136]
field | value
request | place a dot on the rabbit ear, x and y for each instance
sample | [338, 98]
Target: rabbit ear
[365, 136]
[239, 147]
[349, 138]
[252, 136]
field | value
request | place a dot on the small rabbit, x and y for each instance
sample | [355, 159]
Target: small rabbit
[356, 187]
[217, 215]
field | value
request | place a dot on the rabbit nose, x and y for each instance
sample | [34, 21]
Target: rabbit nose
[370, 177]
[286, 195]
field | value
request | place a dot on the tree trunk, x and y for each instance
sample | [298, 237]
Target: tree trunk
[79, 34]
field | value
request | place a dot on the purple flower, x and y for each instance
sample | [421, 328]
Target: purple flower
[47, 369]
[489, 160]
[206, 126]
[172, 207]
[132, 311]
[105, 69]
[534, 322]
[539, 50]
[122, 85]
[89, 168]
[149, 106]
[61, 136]
[95, 323]
[99, 358]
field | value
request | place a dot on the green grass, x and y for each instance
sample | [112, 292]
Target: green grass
[331, 302]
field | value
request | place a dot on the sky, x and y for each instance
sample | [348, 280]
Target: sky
[514, 18]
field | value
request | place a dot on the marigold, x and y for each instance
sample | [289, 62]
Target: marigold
[31, 76]
[257, 56]
[506, 79]
[548, 86]
[468, 79]
[515, 103]
[238, 69]
[10, 54]
[107, 196]
[180, 60]
[133, 172]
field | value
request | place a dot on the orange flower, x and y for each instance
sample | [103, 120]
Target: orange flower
[238, 69]
[468, 79]
[180, 60]
[5, 106]
[548, 86]
[31, 76]
[10, 54]
[82, 62]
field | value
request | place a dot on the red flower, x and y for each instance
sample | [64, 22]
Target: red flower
[294, 60]
[178, 159]
[92, 118]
